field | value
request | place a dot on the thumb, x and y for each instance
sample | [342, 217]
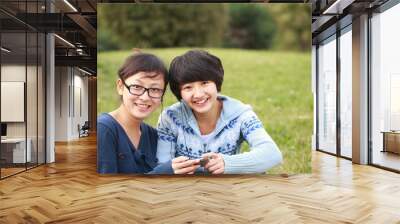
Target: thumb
[211, 155]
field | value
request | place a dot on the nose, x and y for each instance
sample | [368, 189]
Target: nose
[145, 95]
[198, 91]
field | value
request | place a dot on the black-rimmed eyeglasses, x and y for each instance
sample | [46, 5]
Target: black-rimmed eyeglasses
[139, 90]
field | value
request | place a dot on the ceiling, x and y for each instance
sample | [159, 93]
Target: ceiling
[74, 22]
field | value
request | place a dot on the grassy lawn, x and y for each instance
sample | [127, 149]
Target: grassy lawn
[276, 84]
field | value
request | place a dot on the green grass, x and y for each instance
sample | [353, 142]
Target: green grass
[276, 84]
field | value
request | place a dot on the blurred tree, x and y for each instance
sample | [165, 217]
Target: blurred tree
[165, 25]
[250, 26]
[294, 25]
[105, 40]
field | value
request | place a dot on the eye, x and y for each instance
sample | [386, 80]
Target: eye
[136, 87]
[186, 87]
[155, 90]
[205, 82]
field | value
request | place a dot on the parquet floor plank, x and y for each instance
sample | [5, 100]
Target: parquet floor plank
[70, 191]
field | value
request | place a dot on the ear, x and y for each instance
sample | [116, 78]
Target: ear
[120, 87]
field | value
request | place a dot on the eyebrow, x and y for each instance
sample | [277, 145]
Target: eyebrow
[155, 85]
[138, 82]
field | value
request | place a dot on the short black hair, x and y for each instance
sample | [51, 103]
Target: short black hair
[143, 62]
[193, 66]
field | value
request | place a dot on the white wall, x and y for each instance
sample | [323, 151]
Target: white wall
[33, 126]
[61, 103]
[71, 94]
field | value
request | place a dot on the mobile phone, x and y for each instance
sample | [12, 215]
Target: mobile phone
[203, 161]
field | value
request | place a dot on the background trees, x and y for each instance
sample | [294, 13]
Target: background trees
[252, 26]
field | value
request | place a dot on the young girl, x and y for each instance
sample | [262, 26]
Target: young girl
[207, 125]
[125, 144]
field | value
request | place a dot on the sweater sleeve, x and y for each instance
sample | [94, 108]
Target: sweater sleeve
[264, 153]
[106, 150]
[166, 139]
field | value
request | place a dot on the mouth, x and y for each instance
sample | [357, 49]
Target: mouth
[142, 106]
[200, 102]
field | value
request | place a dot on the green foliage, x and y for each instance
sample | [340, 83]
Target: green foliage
[253, 26]
[106, 41]
[165, 25]
[294, 25]
[276, 84]
[250, 26]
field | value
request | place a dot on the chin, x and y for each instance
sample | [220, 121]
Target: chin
[202, 110]
[141, 115]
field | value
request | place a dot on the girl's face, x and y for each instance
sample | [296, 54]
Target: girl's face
[201, 96]
[141, 93]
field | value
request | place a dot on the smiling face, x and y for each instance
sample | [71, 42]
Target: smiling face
[141, 106]
[201, 96]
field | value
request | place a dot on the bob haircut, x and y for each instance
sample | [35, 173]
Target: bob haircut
[143, 62]
[193, 66]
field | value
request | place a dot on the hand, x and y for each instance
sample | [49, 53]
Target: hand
[183, 165]
[216, 164]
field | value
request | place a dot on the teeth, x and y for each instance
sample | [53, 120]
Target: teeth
[145, 106]
[200, 102]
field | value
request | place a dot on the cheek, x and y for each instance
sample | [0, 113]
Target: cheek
[214, 90]
[156, 103]
[185, 96]
[127, 98]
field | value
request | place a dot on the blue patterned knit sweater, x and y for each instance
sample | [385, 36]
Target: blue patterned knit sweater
[179, 135]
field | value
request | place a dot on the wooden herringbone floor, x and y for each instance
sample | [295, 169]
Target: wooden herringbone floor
[70, 191]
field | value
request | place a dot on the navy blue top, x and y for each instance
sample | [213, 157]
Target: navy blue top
[117, 154]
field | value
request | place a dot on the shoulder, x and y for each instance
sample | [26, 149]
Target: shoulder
[105, 119]
[106, 123]
[249, 118]
[175, 111]
[107, 131]
[234, 109]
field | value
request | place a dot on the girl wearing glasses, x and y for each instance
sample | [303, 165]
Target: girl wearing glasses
[125, 144]
[208, 126]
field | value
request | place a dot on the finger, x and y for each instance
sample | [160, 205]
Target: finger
[196, 161]
[180, 159]
[186, 170]
[215, 167]
[213, 155]
[211, 163]
[184, 164]
[208, 154]
[219, 171]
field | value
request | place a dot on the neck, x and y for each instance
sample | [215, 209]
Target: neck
[125, 118]
[211, 117]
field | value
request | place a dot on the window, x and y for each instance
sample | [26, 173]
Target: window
[385, 87]
[327, 95]
[346, 92]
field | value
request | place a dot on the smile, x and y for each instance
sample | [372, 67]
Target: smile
[142, 106]
[201, 102]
